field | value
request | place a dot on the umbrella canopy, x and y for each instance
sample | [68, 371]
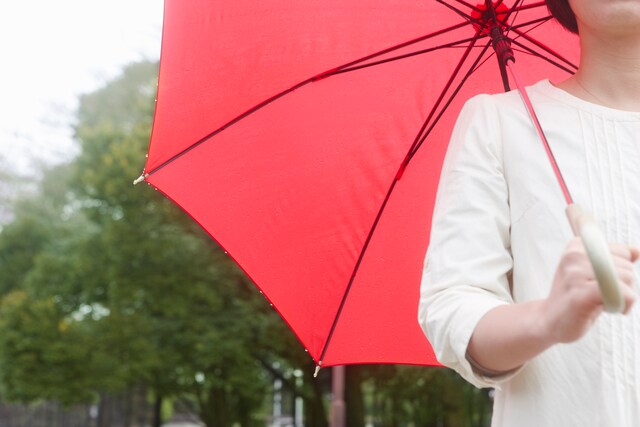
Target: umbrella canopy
[307, 139]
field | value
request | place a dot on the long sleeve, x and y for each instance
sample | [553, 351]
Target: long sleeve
[468, 262]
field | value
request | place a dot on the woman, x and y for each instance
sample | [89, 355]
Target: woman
[508, 297]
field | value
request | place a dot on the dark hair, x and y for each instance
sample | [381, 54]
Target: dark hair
[561, 10]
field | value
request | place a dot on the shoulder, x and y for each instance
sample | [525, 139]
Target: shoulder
[507, 103]
[502, 113]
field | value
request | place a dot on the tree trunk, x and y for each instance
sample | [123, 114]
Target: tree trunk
[157, 411]
[127, 413]
[215, 412]
[353, 396]
[141, 407]
[244, 412]
[104, 410]
[314, 410]
[394, 411]
[453, 401]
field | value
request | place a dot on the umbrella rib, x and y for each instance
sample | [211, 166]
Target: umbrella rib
[483, 62]
[225, 126]
[536, 21]
[458, 43]
[515, 7]
[473, 67]
[315, 78]
[357, 266]
[530, 6]
[436, 105]
[547, 49]
[470, 18]
[388, 195]
[538, 24]
[515, 50]
[546, 58]
[469, 5]
[506, 17]
[459, 12]
[504, 20]
[517, 10]
[338, 69]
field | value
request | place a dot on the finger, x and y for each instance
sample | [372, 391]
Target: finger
[629, 295]
[623, 259]
[622, 264]
[628, 252]
[591, 294]
[575, 244]
[620, 250]
[626, 277]
[624, 270]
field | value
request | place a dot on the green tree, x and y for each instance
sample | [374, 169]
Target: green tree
[426, 396]
[40, 350]
[162, 278]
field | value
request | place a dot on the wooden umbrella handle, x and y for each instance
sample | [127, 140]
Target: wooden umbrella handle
[585, 226]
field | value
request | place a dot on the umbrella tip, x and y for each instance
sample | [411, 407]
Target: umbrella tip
[140, 179]
[318, 366]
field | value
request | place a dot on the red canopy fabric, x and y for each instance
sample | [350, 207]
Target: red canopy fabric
[291, 165]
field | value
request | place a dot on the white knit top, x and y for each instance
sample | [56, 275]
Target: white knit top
[499, 229]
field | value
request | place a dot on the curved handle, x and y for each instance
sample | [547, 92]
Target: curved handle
[599, 254]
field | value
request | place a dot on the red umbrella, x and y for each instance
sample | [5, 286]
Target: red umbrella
[307, 138]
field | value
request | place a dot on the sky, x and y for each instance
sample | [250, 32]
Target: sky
[53, 51]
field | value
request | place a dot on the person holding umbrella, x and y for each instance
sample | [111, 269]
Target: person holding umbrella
[508, 297]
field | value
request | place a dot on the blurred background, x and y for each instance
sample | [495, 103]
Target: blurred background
[115, 308]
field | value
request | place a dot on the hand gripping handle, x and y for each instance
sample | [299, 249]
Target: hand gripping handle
[585, 226]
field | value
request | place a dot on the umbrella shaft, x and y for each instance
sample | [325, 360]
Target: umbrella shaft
[543, 138]
[501, 44]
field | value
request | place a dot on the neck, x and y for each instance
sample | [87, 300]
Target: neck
[609, 72]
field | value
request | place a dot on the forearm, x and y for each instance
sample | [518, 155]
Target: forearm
[508, 336]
